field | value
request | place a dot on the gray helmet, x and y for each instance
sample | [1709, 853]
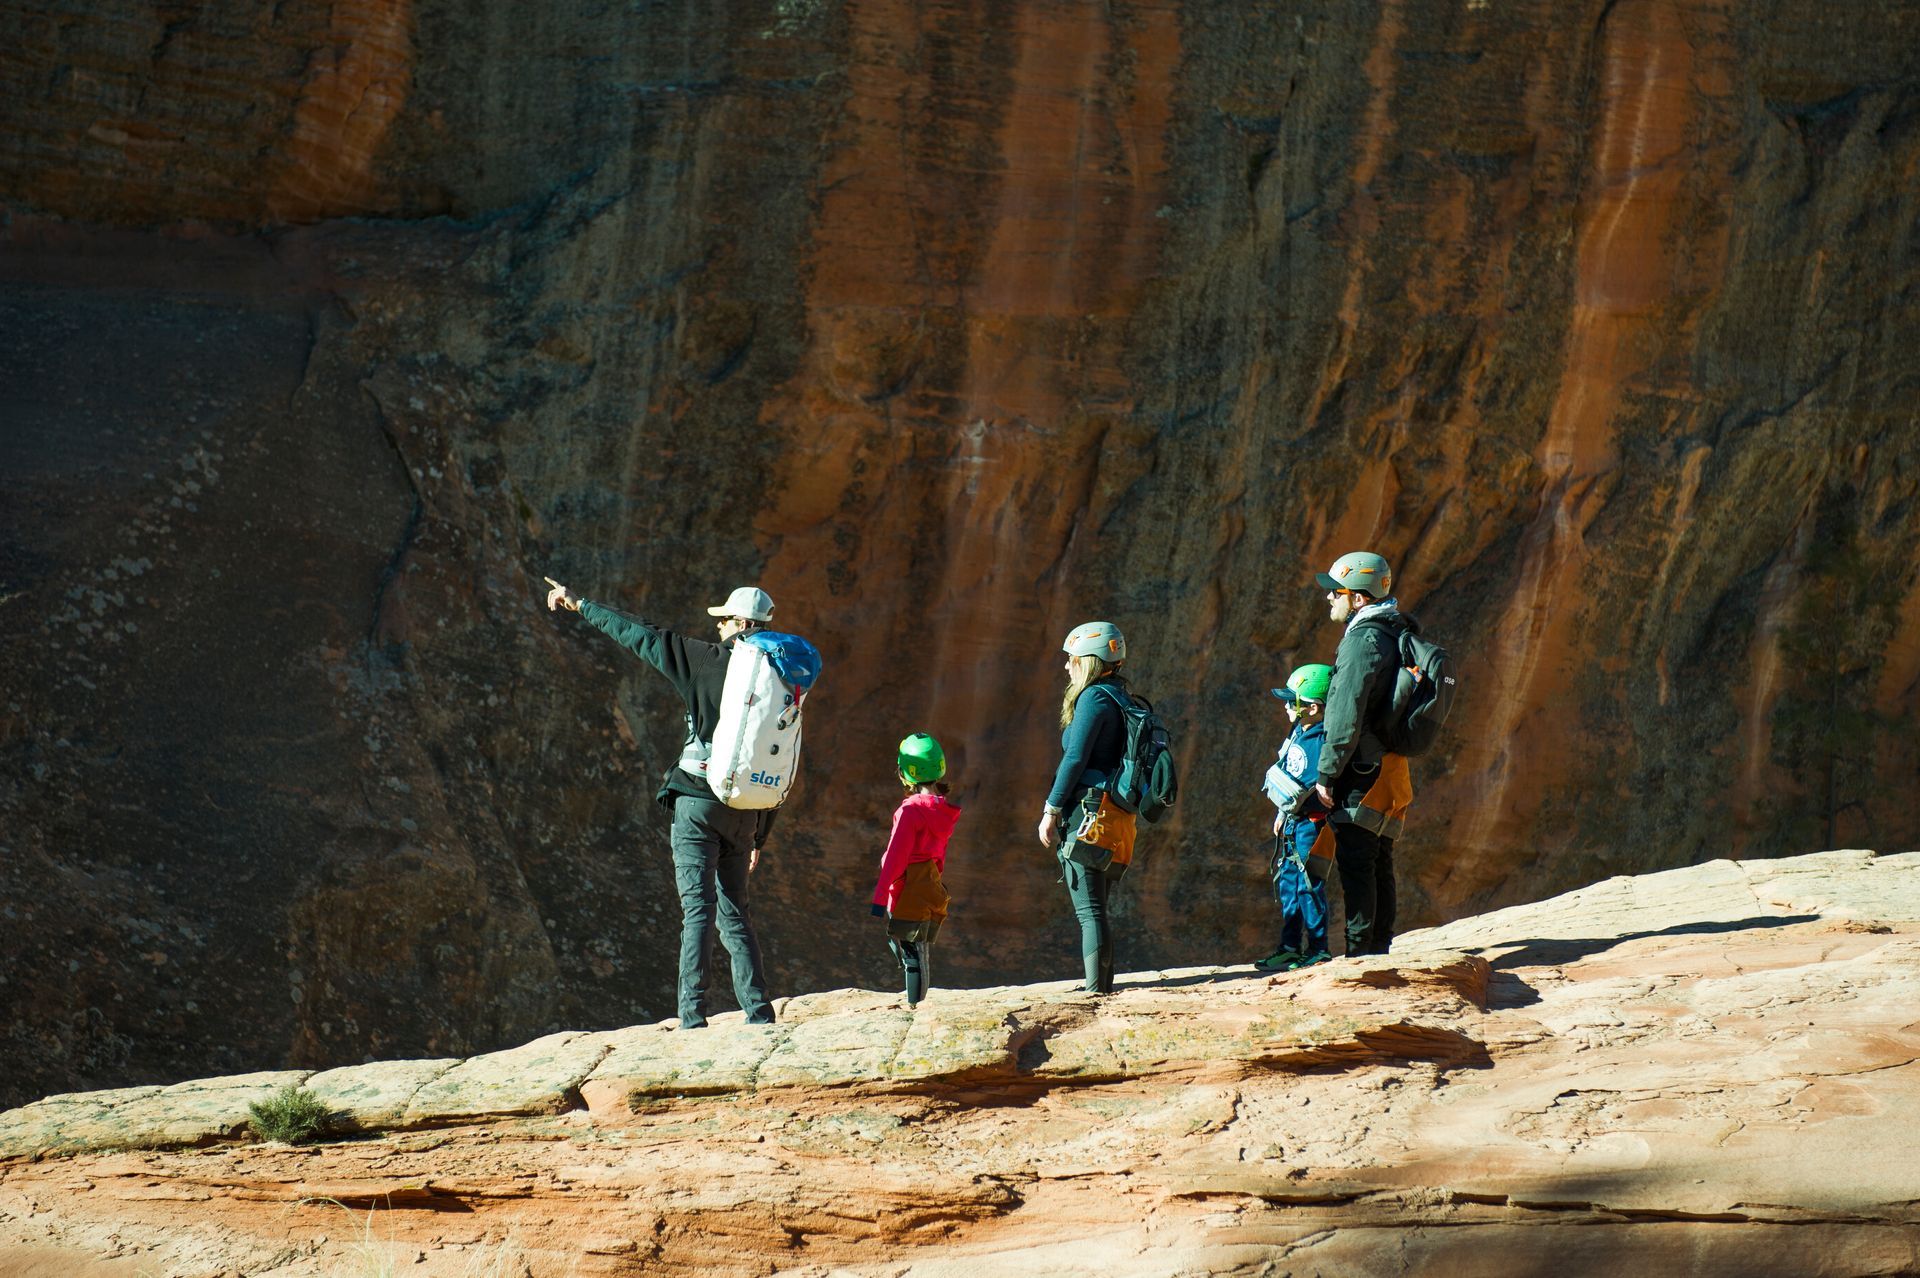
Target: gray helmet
[1100, 639]
[1360, 570]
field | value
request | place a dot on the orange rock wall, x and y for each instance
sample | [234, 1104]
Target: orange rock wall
[952, 324]
[226, 113]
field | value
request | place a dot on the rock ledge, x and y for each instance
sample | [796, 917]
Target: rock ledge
[1720, 1059]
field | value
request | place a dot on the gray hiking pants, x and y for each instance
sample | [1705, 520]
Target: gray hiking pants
[711, 843]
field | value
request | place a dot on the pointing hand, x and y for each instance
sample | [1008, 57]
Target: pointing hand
[561, 597]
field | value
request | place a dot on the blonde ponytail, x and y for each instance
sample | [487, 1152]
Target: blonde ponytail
[1086, 669]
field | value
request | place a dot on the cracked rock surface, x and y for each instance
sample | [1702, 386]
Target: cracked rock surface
[1713, 1070]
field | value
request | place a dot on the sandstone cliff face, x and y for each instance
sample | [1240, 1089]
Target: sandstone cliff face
[1711, 1070]
[332, 327]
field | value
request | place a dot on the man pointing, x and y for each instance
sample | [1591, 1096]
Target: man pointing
[711, 842]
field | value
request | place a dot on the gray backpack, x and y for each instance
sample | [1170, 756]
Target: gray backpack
[1422, 695]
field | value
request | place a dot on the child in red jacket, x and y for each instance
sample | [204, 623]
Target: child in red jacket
[909, 894]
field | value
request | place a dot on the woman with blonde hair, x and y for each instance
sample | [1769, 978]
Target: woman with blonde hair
[1098, 834]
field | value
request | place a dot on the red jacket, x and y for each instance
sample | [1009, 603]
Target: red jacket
[922, 824]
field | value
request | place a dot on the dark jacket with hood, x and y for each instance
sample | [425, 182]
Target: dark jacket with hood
[1359, 699]
[697, 669]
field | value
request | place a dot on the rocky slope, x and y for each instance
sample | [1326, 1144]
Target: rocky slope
[1713, 1070]
[332, 325]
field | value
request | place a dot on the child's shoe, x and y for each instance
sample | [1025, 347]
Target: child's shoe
[1280, 961]
[1308, 960]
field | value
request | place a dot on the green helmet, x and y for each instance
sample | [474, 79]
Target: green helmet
[922, 759]
[1100, 639]
[1307, 683]
[1360, 570]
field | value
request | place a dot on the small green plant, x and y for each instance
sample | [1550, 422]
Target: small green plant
[292, 1115]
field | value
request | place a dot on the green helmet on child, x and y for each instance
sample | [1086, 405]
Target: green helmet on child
[921, 759]
[1307, 684]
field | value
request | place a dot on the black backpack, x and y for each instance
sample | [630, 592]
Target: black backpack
[1422, 695]
[1145, 782]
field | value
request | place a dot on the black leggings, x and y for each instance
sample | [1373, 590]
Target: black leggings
[1088, 889]
[916, 965]
[911, 941]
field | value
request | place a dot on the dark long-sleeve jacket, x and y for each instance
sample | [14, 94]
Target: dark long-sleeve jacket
[696, 668]
[1093, 745]
[1365, 670]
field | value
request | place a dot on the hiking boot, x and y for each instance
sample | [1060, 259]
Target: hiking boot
[1309, 960]
[1280, 961]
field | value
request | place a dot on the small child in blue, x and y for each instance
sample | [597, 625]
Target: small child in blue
[1304, 844]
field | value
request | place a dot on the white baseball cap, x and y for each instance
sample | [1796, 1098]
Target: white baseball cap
[750, 602]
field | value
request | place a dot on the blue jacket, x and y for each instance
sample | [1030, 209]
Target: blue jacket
[1297, 769]
[1298, 765]
[1093, 745]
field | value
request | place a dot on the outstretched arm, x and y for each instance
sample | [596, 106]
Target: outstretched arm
[660, 648]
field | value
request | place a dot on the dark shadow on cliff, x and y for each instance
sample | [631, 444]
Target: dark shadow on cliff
[1246, 973]
[1536, 952]
[1559, 951]
[1505, 990]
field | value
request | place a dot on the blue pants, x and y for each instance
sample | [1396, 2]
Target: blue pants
[711, 843]
[1303, 905]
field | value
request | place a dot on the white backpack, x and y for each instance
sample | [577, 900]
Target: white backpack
[756, 743]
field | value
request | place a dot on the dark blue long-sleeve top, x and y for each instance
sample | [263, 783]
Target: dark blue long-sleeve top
[1092, 745]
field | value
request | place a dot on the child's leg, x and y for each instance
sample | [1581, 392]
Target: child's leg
[912, 968]
[1279, 870]
[929, 933]
[1289, 939]
[1313, 916]
[1309, 898]
[1290, 884]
